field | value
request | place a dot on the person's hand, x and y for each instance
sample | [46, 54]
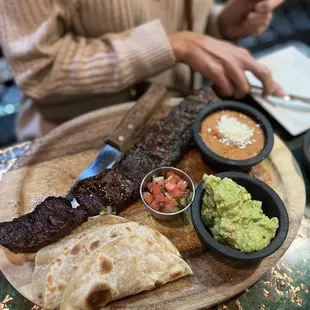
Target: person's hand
[242, 18]
[221, 62]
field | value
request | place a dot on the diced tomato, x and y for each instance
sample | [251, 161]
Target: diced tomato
[182, 185]
[169, 209]
[176, 193]
[170, 174]
[170, 186]
[148, 197]
[156, 188]
[163, 192]
[155, 205]
[169, 202]
[150, 187]
[159, 197]
[184, 194]
[173, 177]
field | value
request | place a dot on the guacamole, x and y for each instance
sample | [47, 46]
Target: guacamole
[234, 218]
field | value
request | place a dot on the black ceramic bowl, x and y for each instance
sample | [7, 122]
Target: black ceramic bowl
[272, 207]
[221, 163]
[306, 150]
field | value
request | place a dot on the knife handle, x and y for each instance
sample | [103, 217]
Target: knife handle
[136, 117]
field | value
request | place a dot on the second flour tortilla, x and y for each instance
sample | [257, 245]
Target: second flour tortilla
[122, 267]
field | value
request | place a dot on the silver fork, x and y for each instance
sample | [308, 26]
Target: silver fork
[257, 90]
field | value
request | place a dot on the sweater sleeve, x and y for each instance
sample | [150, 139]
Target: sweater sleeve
[47, 58]
[213, 27]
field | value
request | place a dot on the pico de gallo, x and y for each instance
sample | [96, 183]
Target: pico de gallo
[168, 193]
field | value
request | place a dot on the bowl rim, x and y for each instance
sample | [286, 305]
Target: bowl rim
[306, 149]
[257, 116]
[210, 241]
[170, 168]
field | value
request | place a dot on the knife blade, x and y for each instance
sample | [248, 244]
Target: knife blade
[118, 140]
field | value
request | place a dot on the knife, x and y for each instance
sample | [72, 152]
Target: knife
[289, 101]
[118, 141]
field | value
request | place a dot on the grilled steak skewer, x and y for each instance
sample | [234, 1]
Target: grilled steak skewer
[117, 187]
[51, 220]
[163, 146]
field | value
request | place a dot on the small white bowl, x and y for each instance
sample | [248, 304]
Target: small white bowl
[159, 172]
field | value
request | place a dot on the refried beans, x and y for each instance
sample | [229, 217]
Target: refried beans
[232, 135]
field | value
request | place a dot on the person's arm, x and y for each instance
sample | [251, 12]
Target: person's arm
[48, 59]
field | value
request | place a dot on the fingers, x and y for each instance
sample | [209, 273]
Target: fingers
[209, 67]
[206, 63]
[278, 90]
[223, 84]
[225, 64]
[247, 62]
[261, 72]
[264, 75]
[236, 75]
[231, 67]
[256, 23]
[267, 5]
[255, 18]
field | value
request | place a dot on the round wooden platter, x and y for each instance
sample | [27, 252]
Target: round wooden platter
[54, 162]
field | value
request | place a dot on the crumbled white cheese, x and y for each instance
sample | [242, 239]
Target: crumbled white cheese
[234, 132]
[74, 204]
[209, 130]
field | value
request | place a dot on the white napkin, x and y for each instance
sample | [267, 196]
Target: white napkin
[291, 69]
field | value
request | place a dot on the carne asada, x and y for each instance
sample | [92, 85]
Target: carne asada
[163, 146]
[51, 220]
[117, 187]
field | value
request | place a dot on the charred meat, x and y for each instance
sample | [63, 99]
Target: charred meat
[52, 219]
[163, 146]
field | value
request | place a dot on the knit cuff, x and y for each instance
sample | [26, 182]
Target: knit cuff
[145, 52]
[213, 26]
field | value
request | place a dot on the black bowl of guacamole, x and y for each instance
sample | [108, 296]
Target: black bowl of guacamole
[272, 206]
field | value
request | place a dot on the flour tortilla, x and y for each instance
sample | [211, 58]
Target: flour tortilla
[64, 266]
[119, 268]
[46, 255]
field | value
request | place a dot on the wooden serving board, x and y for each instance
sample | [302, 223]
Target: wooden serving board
[55, 161]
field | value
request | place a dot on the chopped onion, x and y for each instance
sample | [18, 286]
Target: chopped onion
[159, 180]
[74, 204]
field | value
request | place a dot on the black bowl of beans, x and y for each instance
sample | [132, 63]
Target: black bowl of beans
[232, 136]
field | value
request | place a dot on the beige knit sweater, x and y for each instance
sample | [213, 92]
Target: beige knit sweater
[73, 56]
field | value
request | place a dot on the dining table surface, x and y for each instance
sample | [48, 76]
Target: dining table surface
[286, 286]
